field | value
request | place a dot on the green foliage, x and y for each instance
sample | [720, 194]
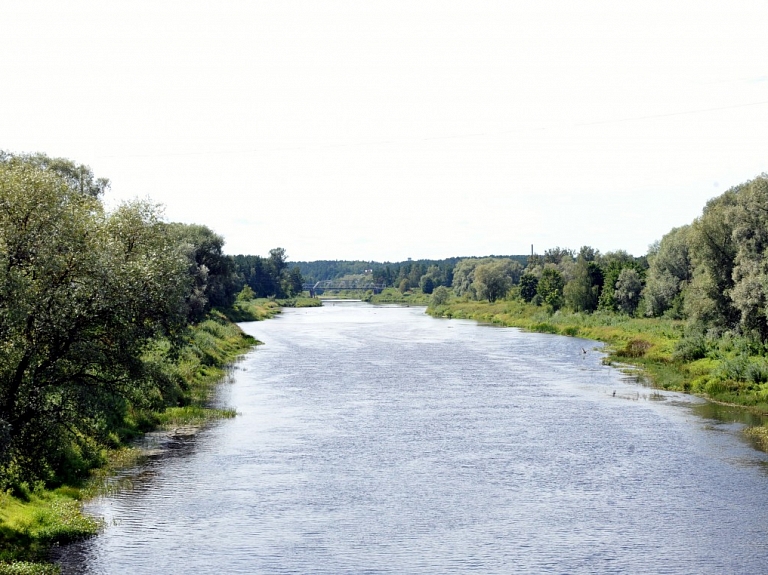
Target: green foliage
[83, 295]
[583, 291]
[628, 287]
[617, 262]
[427, 284]
[496, 276]
[29, 525]
[392, 295]
[440, 296]
[28, 568]
[268, 277]
[670, 272]
[77, 177]
[493, 280]
[528, 286]
[246, 294]
[213, 281]
[690, 348]
[550, 288]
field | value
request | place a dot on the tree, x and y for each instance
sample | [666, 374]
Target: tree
[557, 255]
[77, 177]
[464, 276]
[493, 279]
[426, 284]
[589, 254]
[414, 276]
[550, 287]
[212, 272]
[440, 296]
[82, 296]
[528, 286]
[670, 272]
[713, 252]
[583, 291]
[628, 287]
[294, 283]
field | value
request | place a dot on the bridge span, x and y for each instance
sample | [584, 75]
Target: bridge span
[331, 286]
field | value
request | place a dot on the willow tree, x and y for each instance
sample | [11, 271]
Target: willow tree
[82, 295]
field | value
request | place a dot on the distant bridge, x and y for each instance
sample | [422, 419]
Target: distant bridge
[324, 286]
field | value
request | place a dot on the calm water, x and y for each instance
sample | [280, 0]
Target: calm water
[379, 440]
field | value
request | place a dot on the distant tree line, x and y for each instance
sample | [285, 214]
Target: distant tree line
[423, 274]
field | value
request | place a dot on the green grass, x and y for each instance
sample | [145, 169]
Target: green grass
[393, 295]
[259, 309]
[34, 520]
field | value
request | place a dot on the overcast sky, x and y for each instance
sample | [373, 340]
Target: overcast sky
[392, 129]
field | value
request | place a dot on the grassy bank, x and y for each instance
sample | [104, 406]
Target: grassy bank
[32, 518]
[724, 369]
[264, 308]
[392, 295]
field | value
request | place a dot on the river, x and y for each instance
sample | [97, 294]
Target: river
[374, 439]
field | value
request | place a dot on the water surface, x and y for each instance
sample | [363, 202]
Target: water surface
[378, 440]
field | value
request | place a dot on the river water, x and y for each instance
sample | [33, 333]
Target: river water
[379, 440]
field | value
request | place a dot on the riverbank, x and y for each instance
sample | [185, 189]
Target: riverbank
[34, 518]
[727, 370]
[393, 295]
[258, 309]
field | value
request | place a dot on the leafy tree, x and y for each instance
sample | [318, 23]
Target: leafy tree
[414, 275]
[528, 286]
[464, 276]
[493, 278]
[557, 255]
[440, 296]
[246, 294]
[77, 177]
[589, 254]
[491, 281]
[214, 282]
[670, 272]
[550, 287]
[404, 285]
[268, 276]
[628, 287]
[713, 252]
[294, 283]
[583, 291]
[82, 296]
[613, 264]
[256, 273]
[427, 284]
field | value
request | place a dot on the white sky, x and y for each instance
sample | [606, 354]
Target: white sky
[392, 129]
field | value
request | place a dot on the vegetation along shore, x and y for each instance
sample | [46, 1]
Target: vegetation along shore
[115, 322]
[692, 312]
[112, 323]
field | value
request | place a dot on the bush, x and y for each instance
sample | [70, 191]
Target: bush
[690, 348]
[635, 348]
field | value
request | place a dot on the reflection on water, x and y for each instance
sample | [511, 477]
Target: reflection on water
[729, 414]
[379, 440]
